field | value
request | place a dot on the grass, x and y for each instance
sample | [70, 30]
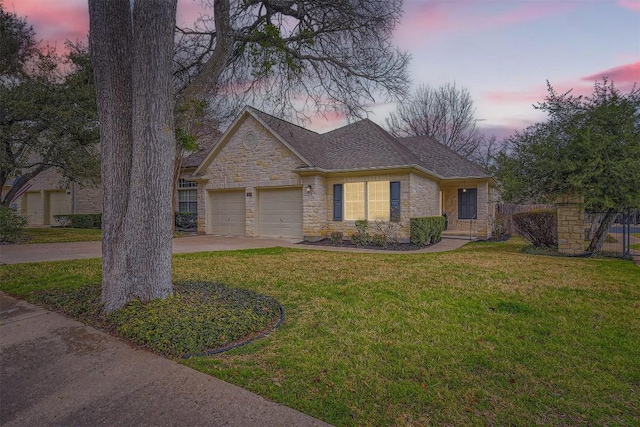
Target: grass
[60, 235]
[636, 245]
[483, 335]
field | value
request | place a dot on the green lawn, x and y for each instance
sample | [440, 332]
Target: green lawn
[485, 335]
[636, 245]
[60, 235]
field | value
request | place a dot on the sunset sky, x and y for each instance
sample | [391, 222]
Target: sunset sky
[503, 51]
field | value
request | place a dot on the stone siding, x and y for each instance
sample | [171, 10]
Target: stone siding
[570, 211]
[315, 212]
[424, 197]
[269, 164]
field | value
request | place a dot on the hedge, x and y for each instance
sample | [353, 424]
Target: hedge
[79, 220]
[540, 227]
[186, 220]
[11, 225]
[426, 230]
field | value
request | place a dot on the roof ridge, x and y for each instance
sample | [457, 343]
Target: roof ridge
[282, 120]
[446, 147]
[396, 145]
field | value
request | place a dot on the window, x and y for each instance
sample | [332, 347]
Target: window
[354, 201]
[467, 199]
[187, 196]
[378, 200]
[374, 200]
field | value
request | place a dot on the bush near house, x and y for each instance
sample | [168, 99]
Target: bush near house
[426, 230]
[539, 227]
[186, 220]
[80, 220]
[11, 225]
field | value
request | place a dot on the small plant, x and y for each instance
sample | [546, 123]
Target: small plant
[186, 220]
[539, 227]
[361, 237]
[379, 240]
[389, 230]
[79, 220]
[11, 225]
[336, 237]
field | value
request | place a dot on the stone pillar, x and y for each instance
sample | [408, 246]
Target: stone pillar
[570, 225]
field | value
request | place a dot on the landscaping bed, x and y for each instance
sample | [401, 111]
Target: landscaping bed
[387, 247]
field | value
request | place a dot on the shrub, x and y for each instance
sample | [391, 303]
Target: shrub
[361, 237]
[11, 225]
[336, 237]
[79, 220]
[379, 240]
[539, 227]
[426, 230]
[389, 230]
[186, 220]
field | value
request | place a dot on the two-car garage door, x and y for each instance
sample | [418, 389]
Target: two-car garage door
[279, 213]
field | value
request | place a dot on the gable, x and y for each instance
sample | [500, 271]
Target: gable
[250, 155]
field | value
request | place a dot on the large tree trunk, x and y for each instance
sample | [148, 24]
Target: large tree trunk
[132, 59]
[601, 233]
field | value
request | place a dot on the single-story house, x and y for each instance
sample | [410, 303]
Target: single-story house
[266, 177]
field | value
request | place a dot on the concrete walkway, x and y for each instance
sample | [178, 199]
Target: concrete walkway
[57, 372]
[13, 254]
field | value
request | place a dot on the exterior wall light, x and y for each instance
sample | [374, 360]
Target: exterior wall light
[308, 189]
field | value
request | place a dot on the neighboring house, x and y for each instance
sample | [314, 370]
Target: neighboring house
[270, 178]
[48, 196]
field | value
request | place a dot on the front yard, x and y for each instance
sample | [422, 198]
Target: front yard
[485, 335]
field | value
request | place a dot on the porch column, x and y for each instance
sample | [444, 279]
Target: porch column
[570, 224]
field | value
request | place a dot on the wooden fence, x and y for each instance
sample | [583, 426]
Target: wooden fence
[505, 211]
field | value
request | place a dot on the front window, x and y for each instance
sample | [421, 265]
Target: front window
[354, 201]
[187, 196]
[366, 200]
[378, 200]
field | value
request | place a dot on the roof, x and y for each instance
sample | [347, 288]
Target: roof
[365, 145]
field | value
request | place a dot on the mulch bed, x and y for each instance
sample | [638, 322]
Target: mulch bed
[348, 244]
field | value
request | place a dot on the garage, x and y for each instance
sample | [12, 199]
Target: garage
[58, 205]
[280, 213]
[33, 208]
[227, 213]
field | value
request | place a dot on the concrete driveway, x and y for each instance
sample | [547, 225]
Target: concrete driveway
[14, 254]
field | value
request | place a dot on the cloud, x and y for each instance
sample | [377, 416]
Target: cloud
[55, 21]
[424, 21]
[627, 73]
[630, 4]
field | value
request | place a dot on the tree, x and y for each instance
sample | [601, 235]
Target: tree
[132, 54]
[291, 54]
[47, 116]
[589, 146]
[446, 114]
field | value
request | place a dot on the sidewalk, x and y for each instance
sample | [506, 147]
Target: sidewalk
[13, 254]
[56, 371]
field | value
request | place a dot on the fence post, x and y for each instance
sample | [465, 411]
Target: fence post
[570, 224]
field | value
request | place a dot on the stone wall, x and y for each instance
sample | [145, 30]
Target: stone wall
[241, 166]
[315, 207]
[424, 197]
[570, 211]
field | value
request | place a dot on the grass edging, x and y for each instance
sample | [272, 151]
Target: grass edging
[260, 335]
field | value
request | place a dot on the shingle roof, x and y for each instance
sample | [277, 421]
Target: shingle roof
[441, 159]
[364, 145]
[192, 160]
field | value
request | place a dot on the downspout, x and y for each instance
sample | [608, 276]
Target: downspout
[74, 201]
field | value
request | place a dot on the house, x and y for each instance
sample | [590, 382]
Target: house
[266, 177]
[48, 195]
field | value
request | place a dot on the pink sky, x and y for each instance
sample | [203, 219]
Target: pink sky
[503, 51]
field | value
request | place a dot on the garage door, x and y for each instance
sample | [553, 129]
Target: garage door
[58, 205]
[34, 208]
[280, 213]
[227, 213]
